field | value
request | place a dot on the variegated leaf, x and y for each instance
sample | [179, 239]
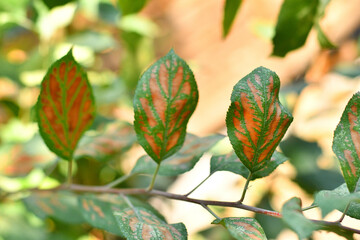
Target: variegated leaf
[59, 205]
[346, 144]
[98, 212]
[140, 222]
[243, 228]
[65, 108]
[164, 100]
[256, 121]
[116, 139]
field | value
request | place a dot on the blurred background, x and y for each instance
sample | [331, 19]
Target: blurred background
[116, 43]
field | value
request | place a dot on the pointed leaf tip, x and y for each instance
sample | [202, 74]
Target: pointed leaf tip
[346, 143]
[256, 121]
[165, 98]
[65, 107]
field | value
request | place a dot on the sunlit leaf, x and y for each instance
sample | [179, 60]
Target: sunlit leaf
[183, 161]
[131, 6]
[256, 121]
[116, 139]
[230, 162]
[293, 217]
[346, 144]
[59, 205]
[230, 10]
[323, 39]
[294, 23]
[165, 98]
[65, 108]
[139, 222]
[243, 228]
[338, 199]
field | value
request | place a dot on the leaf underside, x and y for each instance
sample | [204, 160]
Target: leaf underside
[256, 121]
[346, 142]
[65, 107]
[117, 138]
[182, 161]
[137, 221]
[243, 228]
[165, 98]
[230, 162]
[59, 205]
[293, 217]
[338, 199]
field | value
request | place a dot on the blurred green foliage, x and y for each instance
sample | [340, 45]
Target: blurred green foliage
[113, 43]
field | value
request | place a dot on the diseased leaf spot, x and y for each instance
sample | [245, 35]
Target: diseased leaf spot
[351, 162]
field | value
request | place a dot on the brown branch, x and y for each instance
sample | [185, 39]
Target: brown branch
[201, 202]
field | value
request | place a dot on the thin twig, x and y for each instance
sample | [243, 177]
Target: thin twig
[118, 181]
[201, 202]
[344, 213]
[211, 211]
[198, 185]
[309, 207]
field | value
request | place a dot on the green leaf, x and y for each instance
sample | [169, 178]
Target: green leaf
[117, 138]
[338, 199]
[346, 143]
[230, 162]
[98, 211]
[276, 159]
[140, 222]
[243, 228]
[230, 10]
[256, 121]
[131, 6]
[58, 205]
[294, 23]
[65, 108]
[322, 38]
[183, 161]
[294, 218]
[165, 98]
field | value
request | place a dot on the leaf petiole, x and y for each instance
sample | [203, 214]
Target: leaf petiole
[153, 178]
[198, 185]
[69, 176]
[118, 181]
[309, 207]
[245, 187]
[344, 213]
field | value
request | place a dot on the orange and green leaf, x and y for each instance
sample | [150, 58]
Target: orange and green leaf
[59, 205]
[346, 144]
[138, 221]
[256, 121]
[65, 107]
[116, 139]
[243, 228]
[165, 98]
